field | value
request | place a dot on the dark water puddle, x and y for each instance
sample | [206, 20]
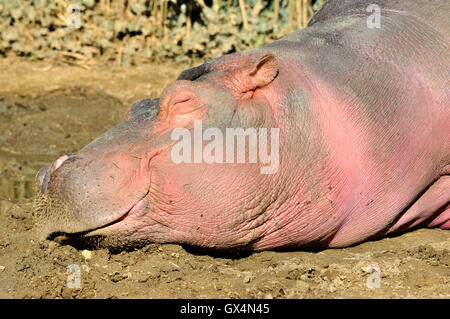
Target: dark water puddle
[17, 174]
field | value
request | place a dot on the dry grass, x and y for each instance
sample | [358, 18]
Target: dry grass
[133, 31]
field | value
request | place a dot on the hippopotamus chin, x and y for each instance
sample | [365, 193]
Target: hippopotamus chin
[363, 124]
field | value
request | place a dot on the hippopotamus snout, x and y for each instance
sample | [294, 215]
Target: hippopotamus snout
[102, 182]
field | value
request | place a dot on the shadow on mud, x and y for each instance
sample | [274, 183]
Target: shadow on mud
[80, 242]
[100, 242]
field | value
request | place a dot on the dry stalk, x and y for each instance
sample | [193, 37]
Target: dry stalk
[244, 14]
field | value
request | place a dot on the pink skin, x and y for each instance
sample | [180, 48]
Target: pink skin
[374, 205]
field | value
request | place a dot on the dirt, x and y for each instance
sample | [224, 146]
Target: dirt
[47, 110]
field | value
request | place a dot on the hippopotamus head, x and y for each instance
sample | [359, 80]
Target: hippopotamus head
[129, 185]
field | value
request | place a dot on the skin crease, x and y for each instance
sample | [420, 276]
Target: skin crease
[364, 146]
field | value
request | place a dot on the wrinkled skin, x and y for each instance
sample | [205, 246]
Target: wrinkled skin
[364, 143]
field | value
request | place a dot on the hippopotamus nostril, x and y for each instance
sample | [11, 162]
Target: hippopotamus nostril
[43, 176]
[71, 157]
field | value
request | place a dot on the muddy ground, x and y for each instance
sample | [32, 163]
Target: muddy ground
[48, 109]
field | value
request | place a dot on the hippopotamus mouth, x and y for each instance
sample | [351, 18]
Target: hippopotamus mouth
[92, 236]
[95, 235]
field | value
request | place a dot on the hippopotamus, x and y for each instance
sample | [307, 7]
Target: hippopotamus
[360, 112]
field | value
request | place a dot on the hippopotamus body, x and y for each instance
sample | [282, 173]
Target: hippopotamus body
[363, 144]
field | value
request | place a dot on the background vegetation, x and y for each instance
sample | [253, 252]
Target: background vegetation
[127, 32]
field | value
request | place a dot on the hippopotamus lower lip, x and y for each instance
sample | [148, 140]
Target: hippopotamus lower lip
[63, 236]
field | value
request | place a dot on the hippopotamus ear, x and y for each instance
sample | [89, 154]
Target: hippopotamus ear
[262, 71]
[255, 74]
